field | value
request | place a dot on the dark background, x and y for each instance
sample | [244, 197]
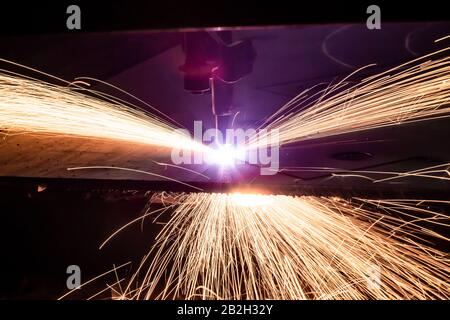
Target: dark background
[24, 17]
[41, 233]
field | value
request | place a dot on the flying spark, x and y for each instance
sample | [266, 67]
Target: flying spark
[415, 91]
[33, 106]
[251, 246]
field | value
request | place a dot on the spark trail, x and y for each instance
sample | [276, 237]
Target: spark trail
[32, 106]
[239, 246]
[414, 91]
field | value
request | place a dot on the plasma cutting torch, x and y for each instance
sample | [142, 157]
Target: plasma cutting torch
[214, 64]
